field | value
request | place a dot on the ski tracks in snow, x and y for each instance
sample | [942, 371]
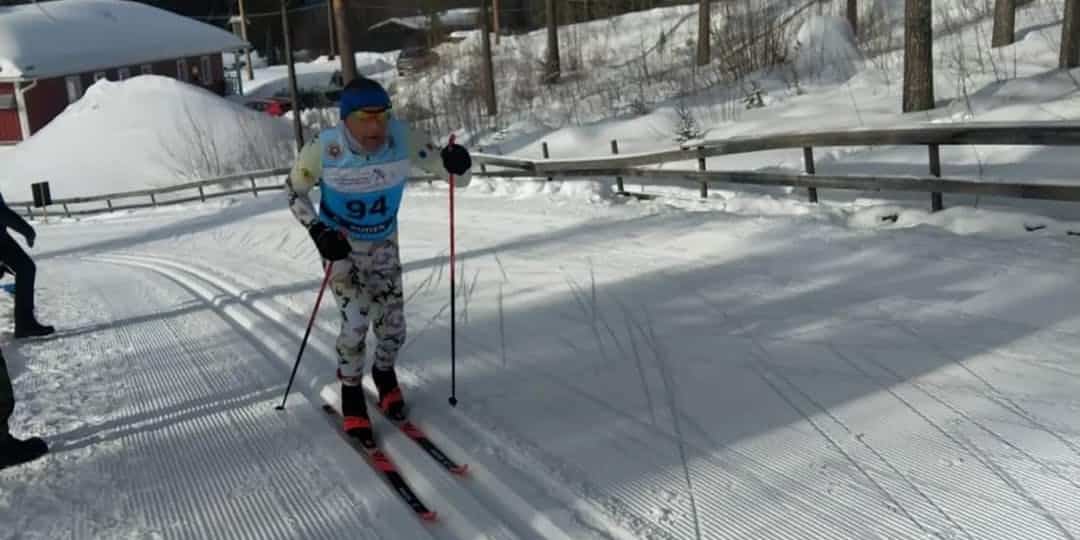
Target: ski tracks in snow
[188, 443]
[478, 506]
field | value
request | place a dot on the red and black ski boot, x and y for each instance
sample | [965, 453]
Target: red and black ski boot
[354, 410]
[391, 402]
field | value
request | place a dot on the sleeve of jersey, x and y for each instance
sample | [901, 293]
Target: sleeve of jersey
[424, 154]
[301, 180]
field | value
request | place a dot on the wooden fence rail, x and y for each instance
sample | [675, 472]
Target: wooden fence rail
[619, 166]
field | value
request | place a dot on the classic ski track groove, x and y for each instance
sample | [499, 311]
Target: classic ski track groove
[167, 358]
[514, 518]
[486, 486]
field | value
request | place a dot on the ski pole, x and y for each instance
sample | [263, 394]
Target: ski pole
[453, 295]
[303, 343]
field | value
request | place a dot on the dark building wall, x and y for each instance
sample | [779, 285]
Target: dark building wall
[10, 130]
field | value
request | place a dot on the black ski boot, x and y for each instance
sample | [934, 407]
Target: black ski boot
[32, 328]
[15, 452]
[354, 410]
[391, 402]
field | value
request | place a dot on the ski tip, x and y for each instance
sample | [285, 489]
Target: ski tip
[429, 516]
[460, 470]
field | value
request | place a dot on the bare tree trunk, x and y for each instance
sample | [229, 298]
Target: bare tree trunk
[247, 50]
[918, 56]
[294, 94]
[348, 58]
[489, 68]
[495, 20]
[853, 16]
[330, 29]
[552, 67]
[703, 55]
[1004, 23]
[1070, 47]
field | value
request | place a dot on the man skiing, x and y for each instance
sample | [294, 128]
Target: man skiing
[361, 166]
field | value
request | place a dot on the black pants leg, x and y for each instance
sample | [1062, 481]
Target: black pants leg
[25, 270]
[7, 397]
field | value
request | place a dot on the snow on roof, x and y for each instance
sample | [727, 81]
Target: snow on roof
[50, 39]
[453, 18]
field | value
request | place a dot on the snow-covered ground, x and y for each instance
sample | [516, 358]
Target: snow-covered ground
[822, 375]
[745, 366]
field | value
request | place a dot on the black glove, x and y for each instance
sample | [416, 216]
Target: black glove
[331, 244]
[456, 159]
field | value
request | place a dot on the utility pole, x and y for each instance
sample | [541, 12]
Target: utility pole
[293, 92]
[495, 19]
[247, 50]
[348, 59]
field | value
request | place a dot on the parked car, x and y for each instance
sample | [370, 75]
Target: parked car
[271, 106]
[414, 60]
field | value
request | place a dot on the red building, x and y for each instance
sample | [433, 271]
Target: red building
[51, 52]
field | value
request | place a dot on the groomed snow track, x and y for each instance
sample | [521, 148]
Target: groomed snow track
[479, 506]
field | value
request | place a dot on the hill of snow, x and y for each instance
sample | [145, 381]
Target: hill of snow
[143, 132]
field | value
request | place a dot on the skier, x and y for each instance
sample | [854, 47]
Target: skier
[13, 257]
[14, 451]
[361, 165]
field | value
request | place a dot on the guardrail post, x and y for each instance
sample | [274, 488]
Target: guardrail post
[153, 200]
[544, 148]
[701, 167]
[936, 204]
[483, 167]
[808, 162]
[30, 211]
[254, 188]
[108, 202]
[67, 213]
[202, 194]
[618, 179]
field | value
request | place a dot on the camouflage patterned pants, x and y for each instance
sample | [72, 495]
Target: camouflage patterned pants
[368, 290]
[7, 396]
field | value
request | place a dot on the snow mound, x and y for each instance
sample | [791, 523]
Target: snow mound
[592, 191]
[147, 131]
[825, 50]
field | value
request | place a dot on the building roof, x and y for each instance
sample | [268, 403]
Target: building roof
[461, 18]
[61, 37]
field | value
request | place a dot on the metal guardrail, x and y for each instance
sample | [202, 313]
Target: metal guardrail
[638, 165]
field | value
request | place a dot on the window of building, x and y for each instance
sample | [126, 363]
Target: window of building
[181, 69]
[205, 72]
[99, 75]
[147, 69]
[123, 73]
[74, 88]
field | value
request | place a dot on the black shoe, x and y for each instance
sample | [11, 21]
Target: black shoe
[357, 424]
[391, 401]
[15, 452]
[32, 328]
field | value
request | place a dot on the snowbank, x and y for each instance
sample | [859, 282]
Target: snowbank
[143, 132]
[825, 50]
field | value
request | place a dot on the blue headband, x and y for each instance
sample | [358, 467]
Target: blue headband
[370, 97]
